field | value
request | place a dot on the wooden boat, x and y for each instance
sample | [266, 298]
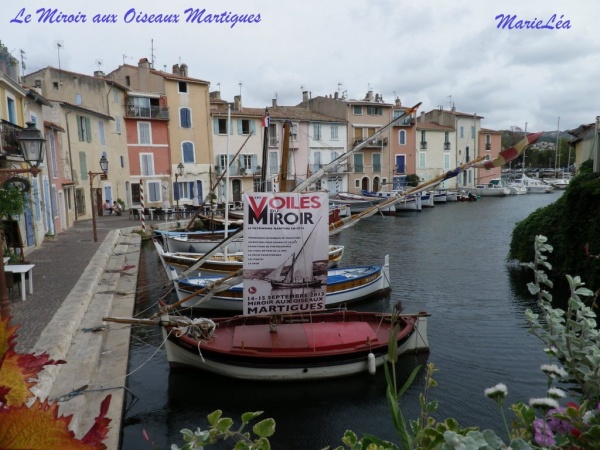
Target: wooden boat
[439, 196]
[303, 346]
[230, 262]
[344, 285]
[193, 242]
[356, 203]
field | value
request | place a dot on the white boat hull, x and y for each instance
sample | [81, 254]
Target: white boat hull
[371, 285]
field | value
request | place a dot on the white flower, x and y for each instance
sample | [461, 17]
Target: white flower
[543, 402]
[553, 371]
[556, 393]
[588, 416]
[498, 392]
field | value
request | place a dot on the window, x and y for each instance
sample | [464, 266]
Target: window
[78, 99]
[144, 133]
[83, 166]
[374, 110]
[488, 142]
[153, 188]
[447, 161]
[273, 163]
[185, 118]
[101, 132]
[187, 152]
[294, 132]
[317, 159]
[55, 85]
[147, 164]
[462, 132]
[357, 110]
[400, 163]
[273, 135]
[358, 163]
[246, 161]
[220, 126]
[223, 162]
[12, 112]
[376, 162]
[127, 80]
[356, 183]
[402, 137]
[122, 161]
[118, 128]
[115, 96]
[54, 161]
[84, 129]
[423, 140]
[334, 132]
[183, 87]
[422, 159]
[317, 131]
[245, 126]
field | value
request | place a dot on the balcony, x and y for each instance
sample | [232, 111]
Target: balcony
[488, 146]
[273, 141]
[423, 145]
[9, 134]
[148, 112]
[377, 143]
[446, 145]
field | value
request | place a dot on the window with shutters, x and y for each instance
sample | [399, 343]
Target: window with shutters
[83, 129]
[187, 152]
[101, 132]
[144, 133]
[185, 118]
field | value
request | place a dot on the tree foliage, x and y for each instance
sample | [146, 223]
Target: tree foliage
[572, 224]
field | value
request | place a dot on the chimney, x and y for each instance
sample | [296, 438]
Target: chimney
[183, 70]
[335, 95]
[99, 74]
[144, 63]
[237, 103]
[369, 96]
[175, 69]
[275, 103]
[215, 95]
[304, 96]
[398, 102]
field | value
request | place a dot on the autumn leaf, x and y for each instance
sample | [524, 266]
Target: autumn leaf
[40, 428]
[18, 371]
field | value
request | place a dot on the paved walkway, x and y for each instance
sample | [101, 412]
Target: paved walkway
[59, 264]
[77, 282]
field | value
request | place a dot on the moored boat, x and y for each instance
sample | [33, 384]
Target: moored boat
[344, 285]
[288, 347]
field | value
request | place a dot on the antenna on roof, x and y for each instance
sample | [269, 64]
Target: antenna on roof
[339, 86]
[152, 52]
[23, 67]
[219, 86]
[240, 83]
[59, 45]
[125, 57]
[99, 64]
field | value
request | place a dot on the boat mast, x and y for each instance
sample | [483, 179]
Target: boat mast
[556, 150]
[265, 156]
[283, 173]
[226, 213]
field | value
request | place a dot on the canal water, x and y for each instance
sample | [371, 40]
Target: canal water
[450, 261]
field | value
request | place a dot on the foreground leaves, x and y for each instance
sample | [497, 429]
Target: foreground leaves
[39, 426]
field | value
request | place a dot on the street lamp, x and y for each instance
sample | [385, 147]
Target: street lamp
[104, 167]
[31, 142]
[180, 168]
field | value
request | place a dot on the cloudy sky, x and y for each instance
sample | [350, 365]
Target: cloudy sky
[438, 52]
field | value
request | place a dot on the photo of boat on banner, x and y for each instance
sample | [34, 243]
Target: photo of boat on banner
[286, 241]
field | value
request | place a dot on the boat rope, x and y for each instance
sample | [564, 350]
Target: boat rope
[85, 390]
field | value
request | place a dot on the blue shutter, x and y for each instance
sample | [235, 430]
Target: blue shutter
[215, 126]
[239, 124]
[200, 195]
[252, 127]
[191, 189]
[176, 191]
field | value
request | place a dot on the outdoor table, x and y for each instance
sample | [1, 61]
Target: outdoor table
[23, 269]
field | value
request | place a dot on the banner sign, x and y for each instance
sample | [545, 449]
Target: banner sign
[286, 247]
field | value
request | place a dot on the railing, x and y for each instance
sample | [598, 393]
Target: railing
[377, 168]
[424, 145]
[372, 143]
[273, 141]
[488, 146]
[446, 145]
[9, 133]
[148, 112]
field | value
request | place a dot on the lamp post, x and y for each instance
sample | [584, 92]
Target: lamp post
[178, 173]
[31, 141]
[104, 167]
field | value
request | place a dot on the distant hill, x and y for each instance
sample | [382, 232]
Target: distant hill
[547, 136]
